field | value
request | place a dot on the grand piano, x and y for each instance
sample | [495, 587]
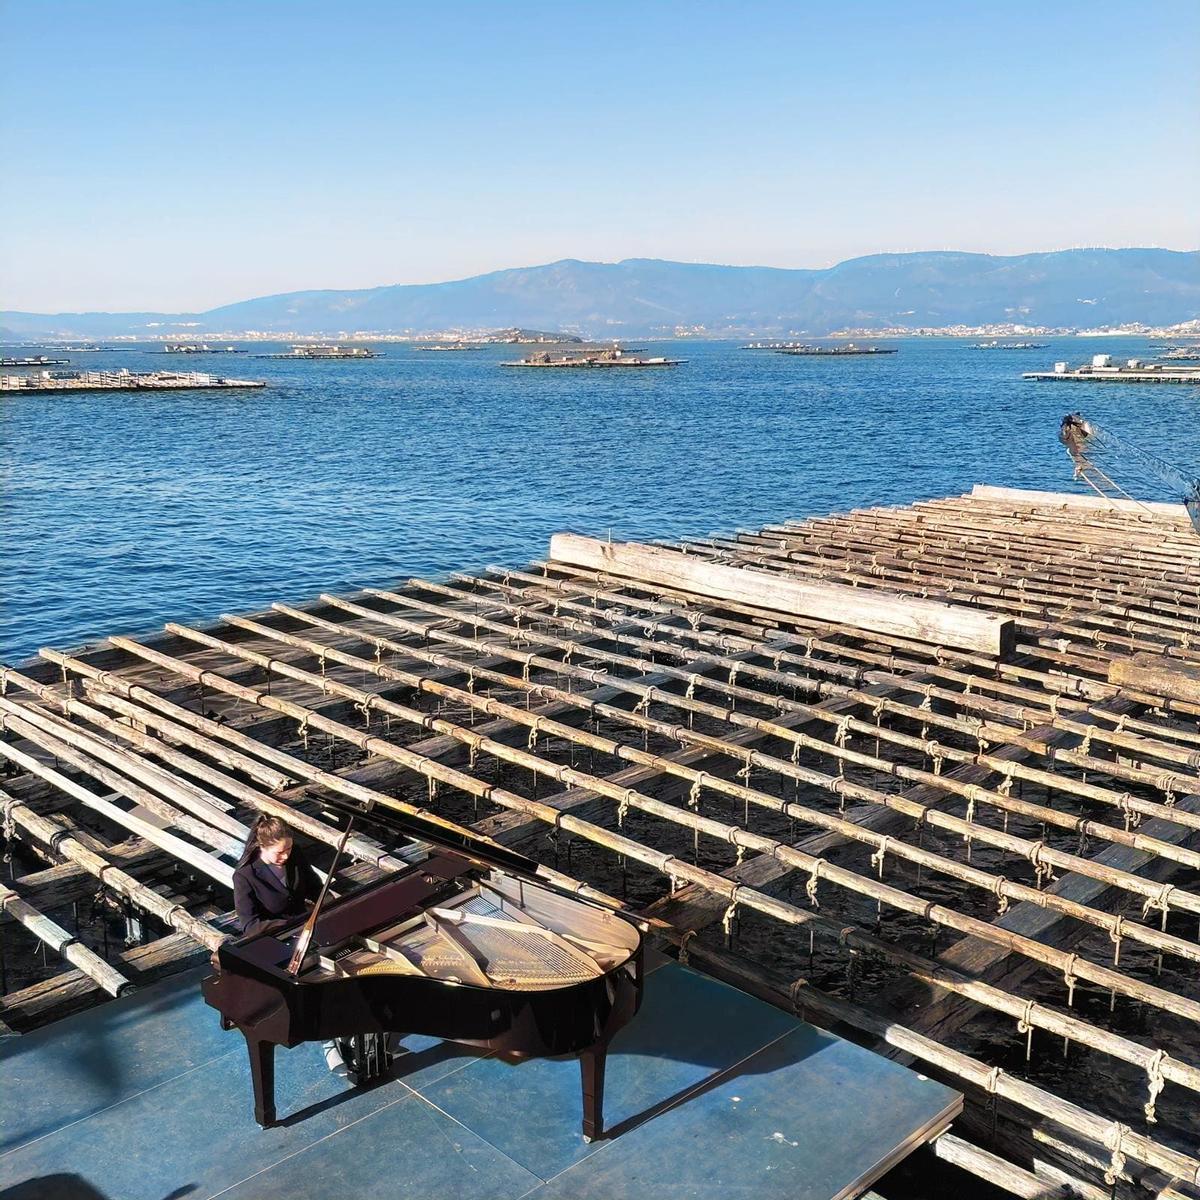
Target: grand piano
[473, 945]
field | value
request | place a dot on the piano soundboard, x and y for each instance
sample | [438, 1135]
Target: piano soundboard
[501, 933]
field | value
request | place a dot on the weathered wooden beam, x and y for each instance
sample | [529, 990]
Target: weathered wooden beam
[984, 491]
[876, 611]
[59, 940]
[1157, 674]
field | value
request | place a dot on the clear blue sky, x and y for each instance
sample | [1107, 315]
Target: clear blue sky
[176, 156]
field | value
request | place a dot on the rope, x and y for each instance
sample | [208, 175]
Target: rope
[744, 770]
[1043, 871]
[1156, 1081]
[1161, 901]
[798, 1009]
[877, 857]
[731, 911]
[693, 799]
[623, 808]
[810, 888]
[1115, 934]
[1025, 1026]
[998, 886]
[1113, 1140]
[683, 945]
[1069, 979]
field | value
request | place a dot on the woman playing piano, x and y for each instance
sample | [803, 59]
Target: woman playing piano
[273, 883]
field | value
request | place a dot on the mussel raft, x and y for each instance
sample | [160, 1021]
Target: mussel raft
[983, 864]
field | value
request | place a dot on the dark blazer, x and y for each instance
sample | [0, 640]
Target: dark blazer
[259, 897]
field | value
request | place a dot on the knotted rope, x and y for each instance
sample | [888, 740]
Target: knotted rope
[1113, 1141]
[1156, 1081]
[814, 876]
[1025, 1026]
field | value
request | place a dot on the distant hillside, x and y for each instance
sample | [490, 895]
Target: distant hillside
[1065, 288]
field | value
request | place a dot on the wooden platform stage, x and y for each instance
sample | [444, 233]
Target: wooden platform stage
[710, 1093]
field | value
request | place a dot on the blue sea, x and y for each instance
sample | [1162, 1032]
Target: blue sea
[125, 511]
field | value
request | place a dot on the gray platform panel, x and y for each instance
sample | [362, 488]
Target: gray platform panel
[710, 1093]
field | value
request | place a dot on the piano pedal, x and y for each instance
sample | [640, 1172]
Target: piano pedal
[367, 1057]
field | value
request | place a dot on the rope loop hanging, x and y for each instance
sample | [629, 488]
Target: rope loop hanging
[1114, 1141]
[1025, 1026]
[878, 856]
[1162, 901]
[744, 769]
[814, 876]
[1156, 1082]
[693, 800]
[1070, 979]
[474, 741]
[730, 912]
[688, 935]
[623, 808]
[1115, 934]
[797, 986]
[998, 888]
[1043, 871]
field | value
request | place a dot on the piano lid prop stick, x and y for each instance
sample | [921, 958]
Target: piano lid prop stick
[306, 934]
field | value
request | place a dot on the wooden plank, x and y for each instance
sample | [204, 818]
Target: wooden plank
[984, 491]
[1157, 674]
[877, 611]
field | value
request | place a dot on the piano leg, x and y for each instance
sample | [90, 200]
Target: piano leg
[262, 1072]
[591, 1071]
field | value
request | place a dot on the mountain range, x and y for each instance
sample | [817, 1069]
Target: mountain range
[645, 297]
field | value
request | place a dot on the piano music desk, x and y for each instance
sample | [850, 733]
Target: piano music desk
[710, 1092]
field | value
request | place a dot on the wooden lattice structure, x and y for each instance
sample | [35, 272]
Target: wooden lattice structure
[985, 865]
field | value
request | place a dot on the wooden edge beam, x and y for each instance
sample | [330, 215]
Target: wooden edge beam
[1158, 675]
[876, 611]
[984, 491]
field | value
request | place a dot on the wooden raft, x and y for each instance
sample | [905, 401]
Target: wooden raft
[998, 827]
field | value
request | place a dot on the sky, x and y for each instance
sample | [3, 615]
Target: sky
[175, 156]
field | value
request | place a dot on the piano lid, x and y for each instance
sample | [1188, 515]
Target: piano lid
[437, 831]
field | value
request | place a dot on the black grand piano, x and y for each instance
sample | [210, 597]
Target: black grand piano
[473, 944]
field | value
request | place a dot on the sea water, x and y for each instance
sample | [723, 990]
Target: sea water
[122, 511]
